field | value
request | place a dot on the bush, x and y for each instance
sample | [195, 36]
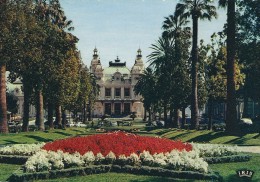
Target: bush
[143, 170]
[11, 159]
[226, 159]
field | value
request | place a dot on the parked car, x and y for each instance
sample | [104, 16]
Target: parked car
[246, 124]
[70, 124]
[80, 124]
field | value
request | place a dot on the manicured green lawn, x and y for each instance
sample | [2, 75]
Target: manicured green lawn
[39, 136]
[228, 171]
[6, 170]
[203, 136]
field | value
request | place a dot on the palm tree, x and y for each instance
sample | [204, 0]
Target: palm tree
[162, 59]
[196, 9]
[231, 115]
[146, 86]
[173, 24]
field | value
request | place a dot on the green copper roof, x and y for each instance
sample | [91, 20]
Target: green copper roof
[109, 71]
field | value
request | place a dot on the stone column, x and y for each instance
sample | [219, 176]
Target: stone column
[122, 93]
[112, 92]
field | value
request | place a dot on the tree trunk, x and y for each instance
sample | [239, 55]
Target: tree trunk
[150, 114]
[84, 112]
[171, 118]
[245, 109]
[165, 115]
[176, 118]
[231, 112]
[26, 106]
[194, 75]
[63, 119]
[3, 106]
[39, 111]
[183, 119]
[210, 113]
[50, 115]
[145, 115]
[89, 111]
[58, 116]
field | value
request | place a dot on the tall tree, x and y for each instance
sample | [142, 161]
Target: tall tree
[231, 112]
[8, 14]
[248, 39]
[196, 9]
[174, 28]
[162, 60]
[146, 86]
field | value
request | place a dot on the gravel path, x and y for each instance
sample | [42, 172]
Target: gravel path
[251, 149]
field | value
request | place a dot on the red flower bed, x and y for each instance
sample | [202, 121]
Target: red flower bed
[117, 142]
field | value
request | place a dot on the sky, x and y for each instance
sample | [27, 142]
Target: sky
[121, 27]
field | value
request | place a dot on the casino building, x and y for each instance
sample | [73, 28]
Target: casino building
[116, 82]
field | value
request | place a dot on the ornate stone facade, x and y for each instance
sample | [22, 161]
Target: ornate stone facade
[116, 97]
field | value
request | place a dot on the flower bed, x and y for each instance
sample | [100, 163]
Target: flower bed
[118, 142]
[116, 148]
[213, 150]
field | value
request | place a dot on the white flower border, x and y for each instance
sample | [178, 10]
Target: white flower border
[21, 149]
[175, 160]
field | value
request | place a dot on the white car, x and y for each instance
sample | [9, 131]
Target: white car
[70, 124]
[80, 124]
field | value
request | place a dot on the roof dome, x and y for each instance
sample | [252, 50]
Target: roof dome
[99, 68]
[136, 69]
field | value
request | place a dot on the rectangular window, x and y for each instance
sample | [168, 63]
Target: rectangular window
[118, 92]
[108, 92]
[127, 92]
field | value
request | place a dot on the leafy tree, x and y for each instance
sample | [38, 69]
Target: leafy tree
[11, 101]
[196, 9]
[62, 74]
[248, 37]
[216, 68]
[84, 92]
[10, 16]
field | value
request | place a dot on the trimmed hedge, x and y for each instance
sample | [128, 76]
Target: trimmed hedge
[13, 159]
[226, 159]
[144, 170]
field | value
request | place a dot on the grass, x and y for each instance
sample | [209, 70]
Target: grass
[228, 171]
[203, 136]
[7, 170]
[39, 136]
[206, 136]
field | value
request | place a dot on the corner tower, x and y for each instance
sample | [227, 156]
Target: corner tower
[96, 67]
